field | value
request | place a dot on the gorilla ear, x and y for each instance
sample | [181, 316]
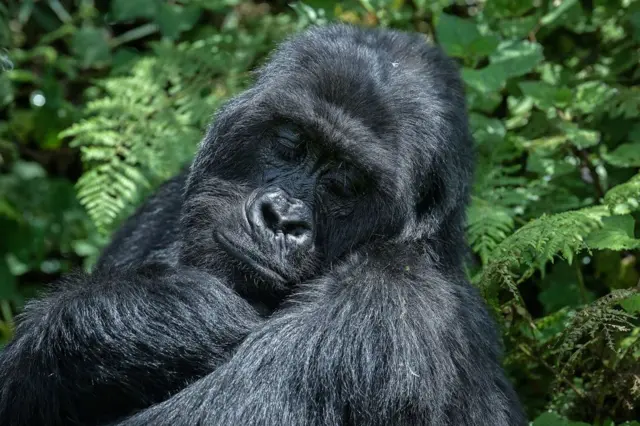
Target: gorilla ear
[439, 209]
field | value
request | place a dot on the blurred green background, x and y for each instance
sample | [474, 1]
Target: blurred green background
[100, 101]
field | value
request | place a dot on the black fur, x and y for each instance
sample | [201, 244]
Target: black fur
[372, 324]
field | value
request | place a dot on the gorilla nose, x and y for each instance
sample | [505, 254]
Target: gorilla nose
[275, 211]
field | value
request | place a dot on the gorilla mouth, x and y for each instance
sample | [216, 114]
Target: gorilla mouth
[242, 256]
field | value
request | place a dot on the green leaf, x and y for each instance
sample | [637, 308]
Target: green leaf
[174, 19]
[455, 33]
[580, 138]
[498, 9]
[483, 102]
[565, 7]
[516, 57]
[631, 304]
[9, 211]
[461, 37]
[511, 59]
[546, 95]
[8, 287]
[16, 266]
[634, 20]
[222, 5]
[518, 27]
[486, 80]
[28, 170]
[553, 419]
[616, 234]
[483, 46]
[85, 248]
[6, 89]
[624, 198]
[591, 95]
[625, 155]
[486, 129]
[124, 10]
[91, 47]
[560, 289]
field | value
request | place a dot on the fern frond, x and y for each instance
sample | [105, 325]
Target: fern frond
[500, 196]
[106, 189]
[540, 241]
[487, 226]
[599, 320]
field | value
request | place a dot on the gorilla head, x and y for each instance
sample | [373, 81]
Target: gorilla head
[332, 148]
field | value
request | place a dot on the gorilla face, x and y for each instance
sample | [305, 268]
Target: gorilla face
[280, 200]
[327, 151]
[296, 211]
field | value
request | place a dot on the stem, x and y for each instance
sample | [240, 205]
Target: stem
[60, 11]
[527, 352]
[5, 308]
[581, 286]
[135, 34]
[584, 157]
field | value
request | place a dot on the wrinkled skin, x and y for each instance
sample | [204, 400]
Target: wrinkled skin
[306, 270]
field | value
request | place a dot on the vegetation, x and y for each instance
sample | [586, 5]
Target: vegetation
[102, 100]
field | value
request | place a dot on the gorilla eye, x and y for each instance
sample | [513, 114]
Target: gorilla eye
[347, 184]
[289, 150]
[289, 145]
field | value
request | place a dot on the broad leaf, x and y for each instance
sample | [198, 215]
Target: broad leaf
[625, 155]
[174, 19]
[461, 37]
[545, 95]
[616, 234]
[516, 57]
[624, 198]
[123, 10]
[553, 419]
[91, 47]
[580, 138]
[631, 304]
[511, 59]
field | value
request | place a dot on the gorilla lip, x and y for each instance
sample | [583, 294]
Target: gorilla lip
[241, 256]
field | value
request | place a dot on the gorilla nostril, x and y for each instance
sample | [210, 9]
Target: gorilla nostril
[295, 229]
[270, 216]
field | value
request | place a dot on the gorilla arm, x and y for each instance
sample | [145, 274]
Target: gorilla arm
[100, 347]
[372, 344]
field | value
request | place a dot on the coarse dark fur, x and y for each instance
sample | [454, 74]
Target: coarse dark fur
[306, 270]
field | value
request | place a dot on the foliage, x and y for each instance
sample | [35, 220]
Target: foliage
[113, 99]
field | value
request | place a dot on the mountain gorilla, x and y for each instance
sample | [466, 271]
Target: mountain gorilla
[306, 270]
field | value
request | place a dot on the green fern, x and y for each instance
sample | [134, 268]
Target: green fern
[488, 225]
[128, 142]
[540, 241]
[499, 194]
[603, 315]
[106, 189]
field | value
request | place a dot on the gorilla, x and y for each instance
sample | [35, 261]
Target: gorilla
[307, 268]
